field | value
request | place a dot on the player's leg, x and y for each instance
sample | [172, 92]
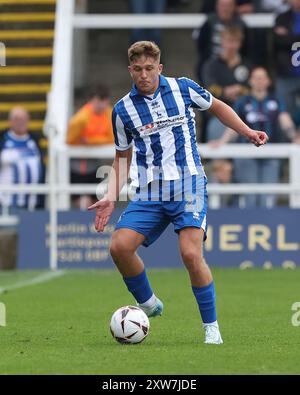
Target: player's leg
[124, 245]
[189, 218]
[141, 223]
[190, 244]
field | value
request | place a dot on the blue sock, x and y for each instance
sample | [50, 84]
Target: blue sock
[206, 300]
[139, 287]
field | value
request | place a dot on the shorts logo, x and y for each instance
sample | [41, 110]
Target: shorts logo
[196, 215]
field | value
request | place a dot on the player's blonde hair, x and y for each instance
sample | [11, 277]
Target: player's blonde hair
[143, 48]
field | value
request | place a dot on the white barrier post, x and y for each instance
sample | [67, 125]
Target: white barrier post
[61, 96]
[294, 167]
[63, 176]
[52, 200]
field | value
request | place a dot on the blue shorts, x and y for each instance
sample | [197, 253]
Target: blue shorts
[151, 218]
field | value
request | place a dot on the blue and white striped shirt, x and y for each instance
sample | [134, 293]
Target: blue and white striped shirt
[161, 129]
[20, 163]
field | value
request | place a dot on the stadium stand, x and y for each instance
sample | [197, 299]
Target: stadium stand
[27, 29]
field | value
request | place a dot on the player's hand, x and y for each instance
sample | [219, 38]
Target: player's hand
[104, 209]
[257, 138]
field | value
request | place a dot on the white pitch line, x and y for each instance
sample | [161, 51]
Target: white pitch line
[42, 278]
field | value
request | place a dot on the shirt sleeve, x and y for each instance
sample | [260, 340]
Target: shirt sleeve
[123, 140]
[200, 97]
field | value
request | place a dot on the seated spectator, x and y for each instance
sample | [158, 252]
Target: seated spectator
[286, 33]
[91, 125]
[209, 35]
[21, 161]
[147, 7]
[226, 76]
[260, 110]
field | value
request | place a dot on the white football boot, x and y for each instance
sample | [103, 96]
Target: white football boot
[212, 333]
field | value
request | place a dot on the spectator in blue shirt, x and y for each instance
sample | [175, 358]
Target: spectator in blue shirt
[20, 161]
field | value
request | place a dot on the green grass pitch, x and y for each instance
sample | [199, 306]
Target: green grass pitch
[62, 326]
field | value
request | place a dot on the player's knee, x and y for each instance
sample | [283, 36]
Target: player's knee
[119, 247]
[190, 256]
[116, 247]
[192, 259]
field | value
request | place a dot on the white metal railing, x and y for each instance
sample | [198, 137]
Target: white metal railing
[162, 21]
[281, 151]
[59, 186]
[59, 189]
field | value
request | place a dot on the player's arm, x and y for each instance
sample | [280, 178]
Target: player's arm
[118, 175]
[116, 180]
[231, 119]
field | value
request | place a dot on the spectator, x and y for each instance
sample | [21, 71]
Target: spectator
[296, 119]
[209, 35]
[262, 111]
[147, 7]
[226, 76]
[286, 33]
[243, 6]
[21, 161]
[91, 125]
[222, 173]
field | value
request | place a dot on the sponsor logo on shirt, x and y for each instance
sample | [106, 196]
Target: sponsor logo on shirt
[154, 127]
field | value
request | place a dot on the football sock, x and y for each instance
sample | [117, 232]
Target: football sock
[150, 302]
[139, 287]
[206, 300]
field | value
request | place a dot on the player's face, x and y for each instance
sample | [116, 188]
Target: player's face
[259, 80]
[145, 73]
